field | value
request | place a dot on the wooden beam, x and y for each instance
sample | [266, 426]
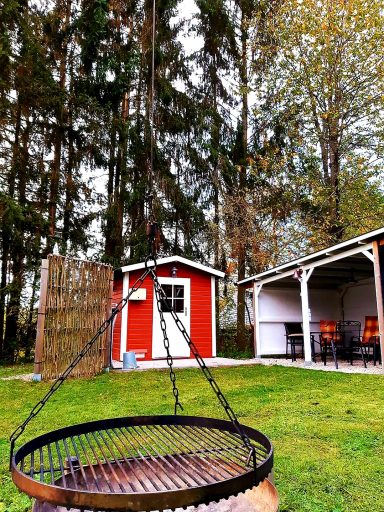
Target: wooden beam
[319, 263]
[39, 346]
[369, 255]
[256, 331]
[305, 312]
[379, 295]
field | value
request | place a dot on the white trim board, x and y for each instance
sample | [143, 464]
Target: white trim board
[269, 277]
[124, 318]
[174, 259]
[213, 319]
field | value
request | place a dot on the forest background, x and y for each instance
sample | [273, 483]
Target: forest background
[268, 135]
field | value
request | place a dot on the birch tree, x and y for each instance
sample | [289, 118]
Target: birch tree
[327, 80]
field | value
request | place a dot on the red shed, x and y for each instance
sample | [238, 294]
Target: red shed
[191, 288]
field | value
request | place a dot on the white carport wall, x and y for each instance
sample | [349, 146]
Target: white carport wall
[306, 314]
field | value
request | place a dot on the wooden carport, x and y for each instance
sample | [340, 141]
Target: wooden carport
[354, 261]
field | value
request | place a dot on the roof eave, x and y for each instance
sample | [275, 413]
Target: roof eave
[286, 267]
[172, 259]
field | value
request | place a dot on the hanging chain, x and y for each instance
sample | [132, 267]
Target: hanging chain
[60, 380]
[153, 233]
[163, 325]
[206, 372]
[152, 108]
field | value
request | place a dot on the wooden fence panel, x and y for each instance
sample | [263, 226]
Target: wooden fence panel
[77, 302]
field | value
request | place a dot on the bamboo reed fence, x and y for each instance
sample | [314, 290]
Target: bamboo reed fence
[75, 299]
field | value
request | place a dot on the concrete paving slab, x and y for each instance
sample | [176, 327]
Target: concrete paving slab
[221, 362]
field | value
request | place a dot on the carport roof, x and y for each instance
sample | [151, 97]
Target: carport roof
[343, 263]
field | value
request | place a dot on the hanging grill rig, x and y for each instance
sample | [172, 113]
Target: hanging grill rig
[144, 462]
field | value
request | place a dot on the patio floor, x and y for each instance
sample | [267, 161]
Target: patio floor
[216, 362]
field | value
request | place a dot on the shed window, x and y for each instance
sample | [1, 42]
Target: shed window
[175, 297]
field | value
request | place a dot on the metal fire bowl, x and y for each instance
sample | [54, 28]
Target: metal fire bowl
[141, 463]
[263, 498]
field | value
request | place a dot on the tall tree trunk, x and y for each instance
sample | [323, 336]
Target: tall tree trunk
[6, 232]
[31, 321]
[3, 284]
[59, 133]
[334, 165]
[215, 137]
[117, 185]
[138, 161]
[69, 186]
[241, 257]
[141, 160]
[123, 165]
[111, 208]
[17, 253]
[71, 157]
[54, 187]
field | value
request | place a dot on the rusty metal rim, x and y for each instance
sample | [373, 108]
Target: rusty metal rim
[147, 500]
[264, 498]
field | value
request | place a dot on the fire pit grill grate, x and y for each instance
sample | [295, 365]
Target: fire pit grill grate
[141, 463]
[144, 462]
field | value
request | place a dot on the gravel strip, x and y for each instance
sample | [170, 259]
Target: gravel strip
[22, 376]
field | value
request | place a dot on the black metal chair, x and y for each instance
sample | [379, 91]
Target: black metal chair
[330, 340]
[294, 338]
[370, 339]
[350, 333]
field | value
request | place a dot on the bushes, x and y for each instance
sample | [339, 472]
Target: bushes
[227, 345]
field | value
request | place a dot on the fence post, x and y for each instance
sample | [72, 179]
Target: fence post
[37, 370]
[109, 333]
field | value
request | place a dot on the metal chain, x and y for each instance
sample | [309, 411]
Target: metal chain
[160, 295]
[207, 374]
[59, 381]
[163, 325]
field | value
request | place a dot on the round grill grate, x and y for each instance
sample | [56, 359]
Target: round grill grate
[141, 463]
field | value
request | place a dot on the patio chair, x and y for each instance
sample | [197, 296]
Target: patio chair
[294, 338]
[351, 340]
[370, 338]
[330, 339]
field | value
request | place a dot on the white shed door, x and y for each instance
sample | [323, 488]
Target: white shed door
[178, 292]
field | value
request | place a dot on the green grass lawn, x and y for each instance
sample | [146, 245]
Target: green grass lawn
[327, 428]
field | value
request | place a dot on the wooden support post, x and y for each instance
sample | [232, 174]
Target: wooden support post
[257, 342]
[306, 316]
[109, 332]
[39, 347]
[379, 271]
